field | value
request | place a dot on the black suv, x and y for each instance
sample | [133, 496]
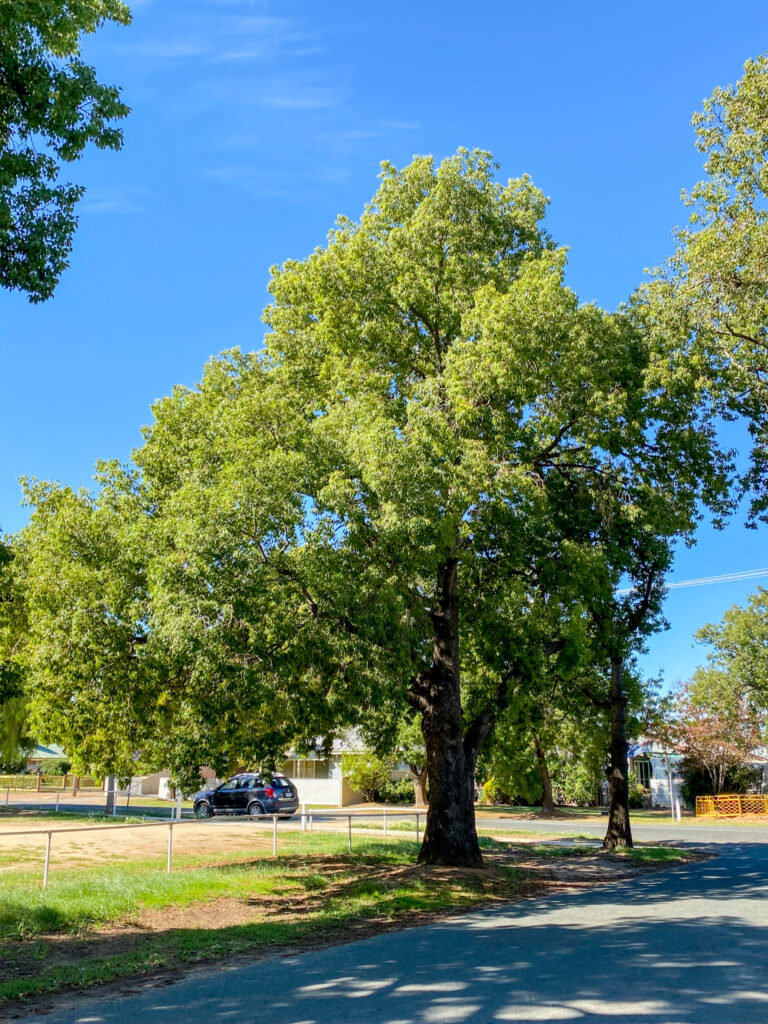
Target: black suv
[249, 794]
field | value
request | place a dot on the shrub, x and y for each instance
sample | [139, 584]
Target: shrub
[400, 792]
[697, 781]
[494, 794]
[12, 765]
[637, 795]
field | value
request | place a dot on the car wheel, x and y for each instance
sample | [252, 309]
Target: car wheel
[255, 809]
[203, 810]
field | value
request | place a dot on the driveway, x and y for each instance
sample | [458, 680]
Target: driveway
[685, 946]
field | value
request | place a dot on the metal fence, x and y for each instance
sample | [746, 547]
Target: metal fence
[307, 821]
[731, 805]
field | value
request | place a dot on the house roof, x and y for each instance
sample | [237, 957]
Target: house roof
[49, 753]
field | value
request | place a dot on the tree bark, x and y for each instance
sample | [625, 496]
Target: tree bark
[619, 832]
[450, 836]
[419, 779]
[547, 801]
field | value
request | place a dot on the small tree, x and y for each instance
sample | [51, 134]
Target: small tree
[714, 735]
[367, 773]
[411, 748]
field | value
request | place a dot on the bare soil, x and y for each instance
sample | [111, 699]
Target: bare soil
[79, 845]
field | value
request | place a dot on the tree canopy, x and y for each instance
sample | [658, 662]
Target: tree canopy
[438, 452]
[710, 300]
[738, 659]
[51, 107]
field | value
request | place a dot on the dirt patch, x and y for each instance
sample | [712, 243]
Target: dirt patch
[22, 843]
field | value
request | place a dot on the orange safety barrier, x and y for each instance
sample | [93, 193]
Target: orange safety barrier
[731, 805]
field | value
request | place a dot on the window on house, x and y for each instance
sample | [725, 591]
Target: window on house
[642, 769]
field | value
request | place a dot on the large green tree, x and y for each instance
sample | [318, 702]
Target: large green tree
[341, 520]
[51, 108]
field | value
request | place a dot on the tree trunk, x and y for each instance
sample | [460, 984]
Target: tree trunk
[450, 836]
[547, 802]
[419, 780]
[619, 832]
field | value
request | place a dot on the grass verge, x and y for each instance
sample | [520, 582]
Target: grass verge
[92, 926]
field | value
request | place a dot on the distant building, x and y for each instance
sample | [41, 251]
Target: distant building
[42, 756]
[658, 769]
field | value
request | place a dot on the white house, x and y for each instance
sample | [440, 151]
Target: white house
[658, 770]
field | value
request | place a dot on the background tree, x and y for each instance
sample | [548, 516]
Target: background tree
[51, 108]
[16, 740]
[714, 728]
[367, 772]
[710, 301]
[739, 656]
[411, 748]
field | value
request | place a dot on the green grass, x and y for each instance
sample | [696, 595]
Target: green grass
[77, 900]
[654, 855]
[315, 888]
[50, 814]
[643, 814]
[82, 897]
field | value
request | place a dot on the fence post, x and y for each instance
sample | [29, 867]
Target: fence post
[39, 781]
[7, 794]
[385, 821]
[310, 821]
[417, 826]
[349, 824]
[274, 835]
[57, 799]
[303, 817]
[49, 834]
[170, 846]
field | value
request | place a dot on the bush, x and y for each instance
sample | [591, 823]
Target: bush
[400, 792]
[741, 778]
[12, 765]
[637, 795]
[59, 767]
[494, 794]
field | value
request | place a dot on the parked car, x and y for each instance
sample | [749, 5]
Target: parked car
[248, 793]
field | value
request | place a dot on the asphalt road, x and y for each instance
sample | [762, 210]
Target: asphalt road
[686, 946]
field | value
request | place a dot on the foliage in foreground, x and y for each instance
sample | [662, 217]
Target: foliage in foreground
[51, 108]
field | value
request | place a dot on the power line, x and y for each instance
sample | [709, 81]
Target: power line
[706, 581]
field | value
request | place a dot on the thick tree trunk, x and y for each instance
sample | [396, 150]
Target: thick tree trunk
[419, 779]
[619, 832]
[450, 836]
[547, 801]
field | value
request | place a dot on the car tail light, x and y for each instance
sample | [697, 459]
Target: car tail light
[269, 791]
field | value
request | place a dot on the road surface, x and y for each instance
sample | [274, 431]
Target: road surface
[685, 946]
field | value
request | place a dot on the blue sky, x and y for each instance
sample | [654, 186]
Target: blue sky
[255, 123]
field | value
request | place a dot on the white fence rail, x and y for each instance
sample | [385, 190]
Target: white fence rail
[306, 825]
